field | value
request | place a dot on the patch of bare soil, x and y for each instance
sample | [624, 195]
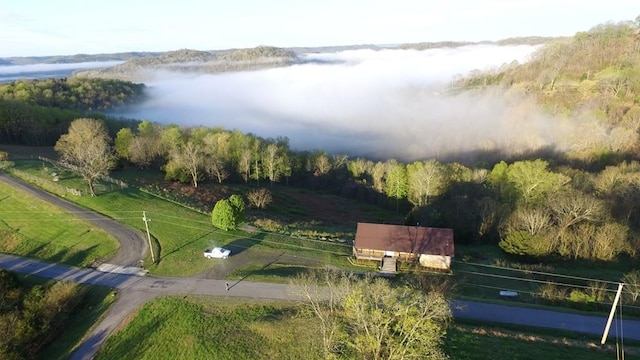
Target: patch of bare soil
[336, 210]
[290, 206]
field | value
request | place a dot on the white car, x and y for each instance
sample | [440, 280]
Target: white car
[217, 252]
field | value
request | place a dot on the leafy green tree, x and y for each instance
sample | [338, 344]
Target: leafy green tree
[271, 161]
[229, 213]
[217, 154]
[86, 150]
[396, 185]
[237, 202]
[186, 159]
[123, 141]
[223, 215]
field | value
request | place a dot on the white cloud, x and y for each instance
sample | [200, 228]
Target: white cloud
[383, 104]
[37, 68]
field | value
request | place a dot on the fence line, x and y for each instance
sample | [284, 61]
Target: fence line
[55, 188]
[120, 183]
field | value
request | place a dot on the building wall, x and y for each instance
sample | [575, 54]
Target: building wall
[435, 261]
[369, 254]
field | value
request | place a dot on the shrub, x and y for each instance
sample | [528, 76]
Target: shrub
[223, 215]
[229, 213]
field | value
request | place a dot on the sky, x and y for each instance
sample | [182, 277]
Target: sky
[67, 27]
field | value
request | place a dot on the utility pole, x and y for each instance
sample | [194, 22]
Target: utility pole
[146, 224]
[613, 311]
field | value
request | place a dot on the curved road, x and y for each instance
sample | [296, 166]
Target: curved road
[132, 244]
[136, 290]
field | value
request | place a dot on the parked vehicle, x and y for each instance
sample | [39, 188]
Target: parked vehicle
[217, 253]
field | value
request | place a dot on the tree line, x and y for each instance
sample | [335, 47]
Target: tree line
[38, 112]
[527, 207]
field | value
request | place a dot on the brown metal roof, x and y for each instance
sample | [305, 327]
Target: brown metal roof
[409, 239]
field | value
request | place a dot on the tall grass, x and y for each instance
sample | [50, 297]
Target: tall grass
[194, 328]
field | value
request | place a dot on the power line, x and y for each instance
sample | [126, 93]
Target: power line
[529, 280]
[541, 273]
[264, 240]
[532, 293]
[259, 231]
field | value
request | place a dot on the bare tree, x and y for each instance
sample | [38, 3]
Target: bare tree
[259, 198]
[86, 150]
[324, 292]
[425, 179]
[632, 284]
[188, 158]
[368, 318]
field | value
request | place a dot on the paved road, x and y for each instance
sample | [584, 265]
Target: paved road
[136, 290]
[132, 243]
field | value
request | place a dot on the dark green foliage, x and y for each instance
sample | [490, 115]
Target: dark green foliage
[37, 112]
[73, 93]
[30, 317]
[523, 243]
[229, 213]
[237, 202]
[223, 215]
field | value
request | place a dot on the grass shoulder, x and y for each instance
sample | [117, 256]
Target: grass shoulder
[204, 328]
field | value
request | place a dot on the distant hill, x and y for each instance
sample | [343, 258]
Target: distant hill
[195, 61]
[78, 58]
[142, 66]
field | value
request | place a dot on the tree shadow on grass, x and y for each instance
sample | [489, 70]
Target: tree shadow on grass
[79, 257]
[178, 248]
[241, 244]
[259, 271]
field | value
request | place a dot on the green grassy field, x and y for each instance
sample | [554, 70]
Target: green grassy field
[468, 341]
[179, 233]
[200, 328]
[204, 328]
[34, 228]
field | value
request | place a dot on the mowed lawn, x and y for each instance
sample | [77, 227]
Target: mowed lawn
[34, 228]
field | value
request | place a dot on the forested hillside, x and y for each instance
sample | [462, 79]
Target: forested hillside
[37, 112]
[592, 79]
[194, 61]
[580, 203]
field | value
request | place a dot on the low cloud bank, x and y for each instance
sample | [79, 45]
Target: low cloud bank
[39, 71]
[379, 104]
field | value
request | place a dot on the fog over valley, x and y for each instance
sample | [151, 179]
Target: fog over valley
[40, 71]
[379, 104]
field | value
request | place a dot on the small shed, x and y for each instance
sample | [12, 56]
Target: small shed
[431, 247]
